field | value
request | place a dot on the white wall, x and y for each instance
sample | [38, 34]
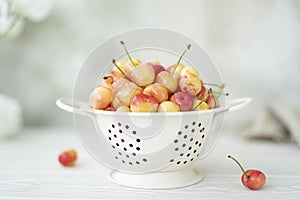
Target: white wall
[256, 45]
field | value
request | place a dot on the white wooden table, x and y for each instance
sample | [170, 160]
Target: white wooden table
[29, 170]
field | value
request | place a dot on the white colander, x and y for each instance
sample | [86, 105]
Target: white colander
[148, 150]
[151, 150]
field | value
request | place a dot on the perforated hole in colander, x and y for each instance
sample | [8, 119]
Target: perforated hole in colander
[188, 143]
[123, 149]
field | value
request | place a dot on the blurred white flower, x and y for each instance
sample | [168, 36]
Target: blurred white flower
[10, 116]
[13, 14]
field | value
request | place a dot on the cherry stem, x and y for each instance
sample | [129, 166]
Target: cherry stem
[221, 88]
[124, 46]
[204, 99]
[216, 85]
[237, 162]
[114, 62]
[209, 93]
[186, 49]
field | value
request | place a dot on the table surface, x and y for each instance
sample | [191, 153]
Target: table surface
[29, 170]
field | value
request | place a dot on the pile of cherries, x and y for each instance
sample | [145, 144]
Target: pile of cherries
[134, 86]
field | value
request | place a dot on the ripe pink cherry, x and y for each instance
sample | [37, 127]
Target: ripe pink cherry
[184, 100]
[252, 178]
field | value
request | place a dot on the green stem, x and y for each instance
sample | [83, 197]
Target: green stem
[187, 48]
[124, 46]
[221, 88]
[237, 162]
[114, 62]
[209, 93]
[204, 99]
[215, 85]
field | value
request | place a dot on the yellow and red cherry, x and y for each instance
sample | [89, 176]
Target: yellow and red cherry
[68, 158]
[190, 83]
[143, 103]
[168, 106]
[251, 178]
[158, 91]
[100, 97]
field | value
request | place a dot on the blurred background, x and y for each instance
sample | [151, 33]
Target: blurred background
[254, 43]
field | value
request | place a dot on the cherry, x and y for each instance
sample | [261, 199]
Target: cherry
[68, 158]
[114, 62]
[252, 178]
[213, 95]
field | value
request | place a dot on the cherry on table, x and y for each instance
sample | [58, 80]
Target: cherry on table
[68, 158]
[252, 178]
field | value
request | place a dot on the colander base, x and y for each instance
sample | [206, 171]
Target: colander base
[158, 180]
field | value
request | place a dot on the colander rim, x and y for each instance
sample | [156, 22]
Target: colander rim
[145, 114]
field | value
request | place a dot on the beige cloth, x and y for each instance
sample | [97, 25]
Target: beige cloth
[278, 122]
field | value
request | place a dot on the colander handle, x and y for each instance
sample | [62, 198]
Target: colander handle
[236, 104]
[231, 105]
[76, 107]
